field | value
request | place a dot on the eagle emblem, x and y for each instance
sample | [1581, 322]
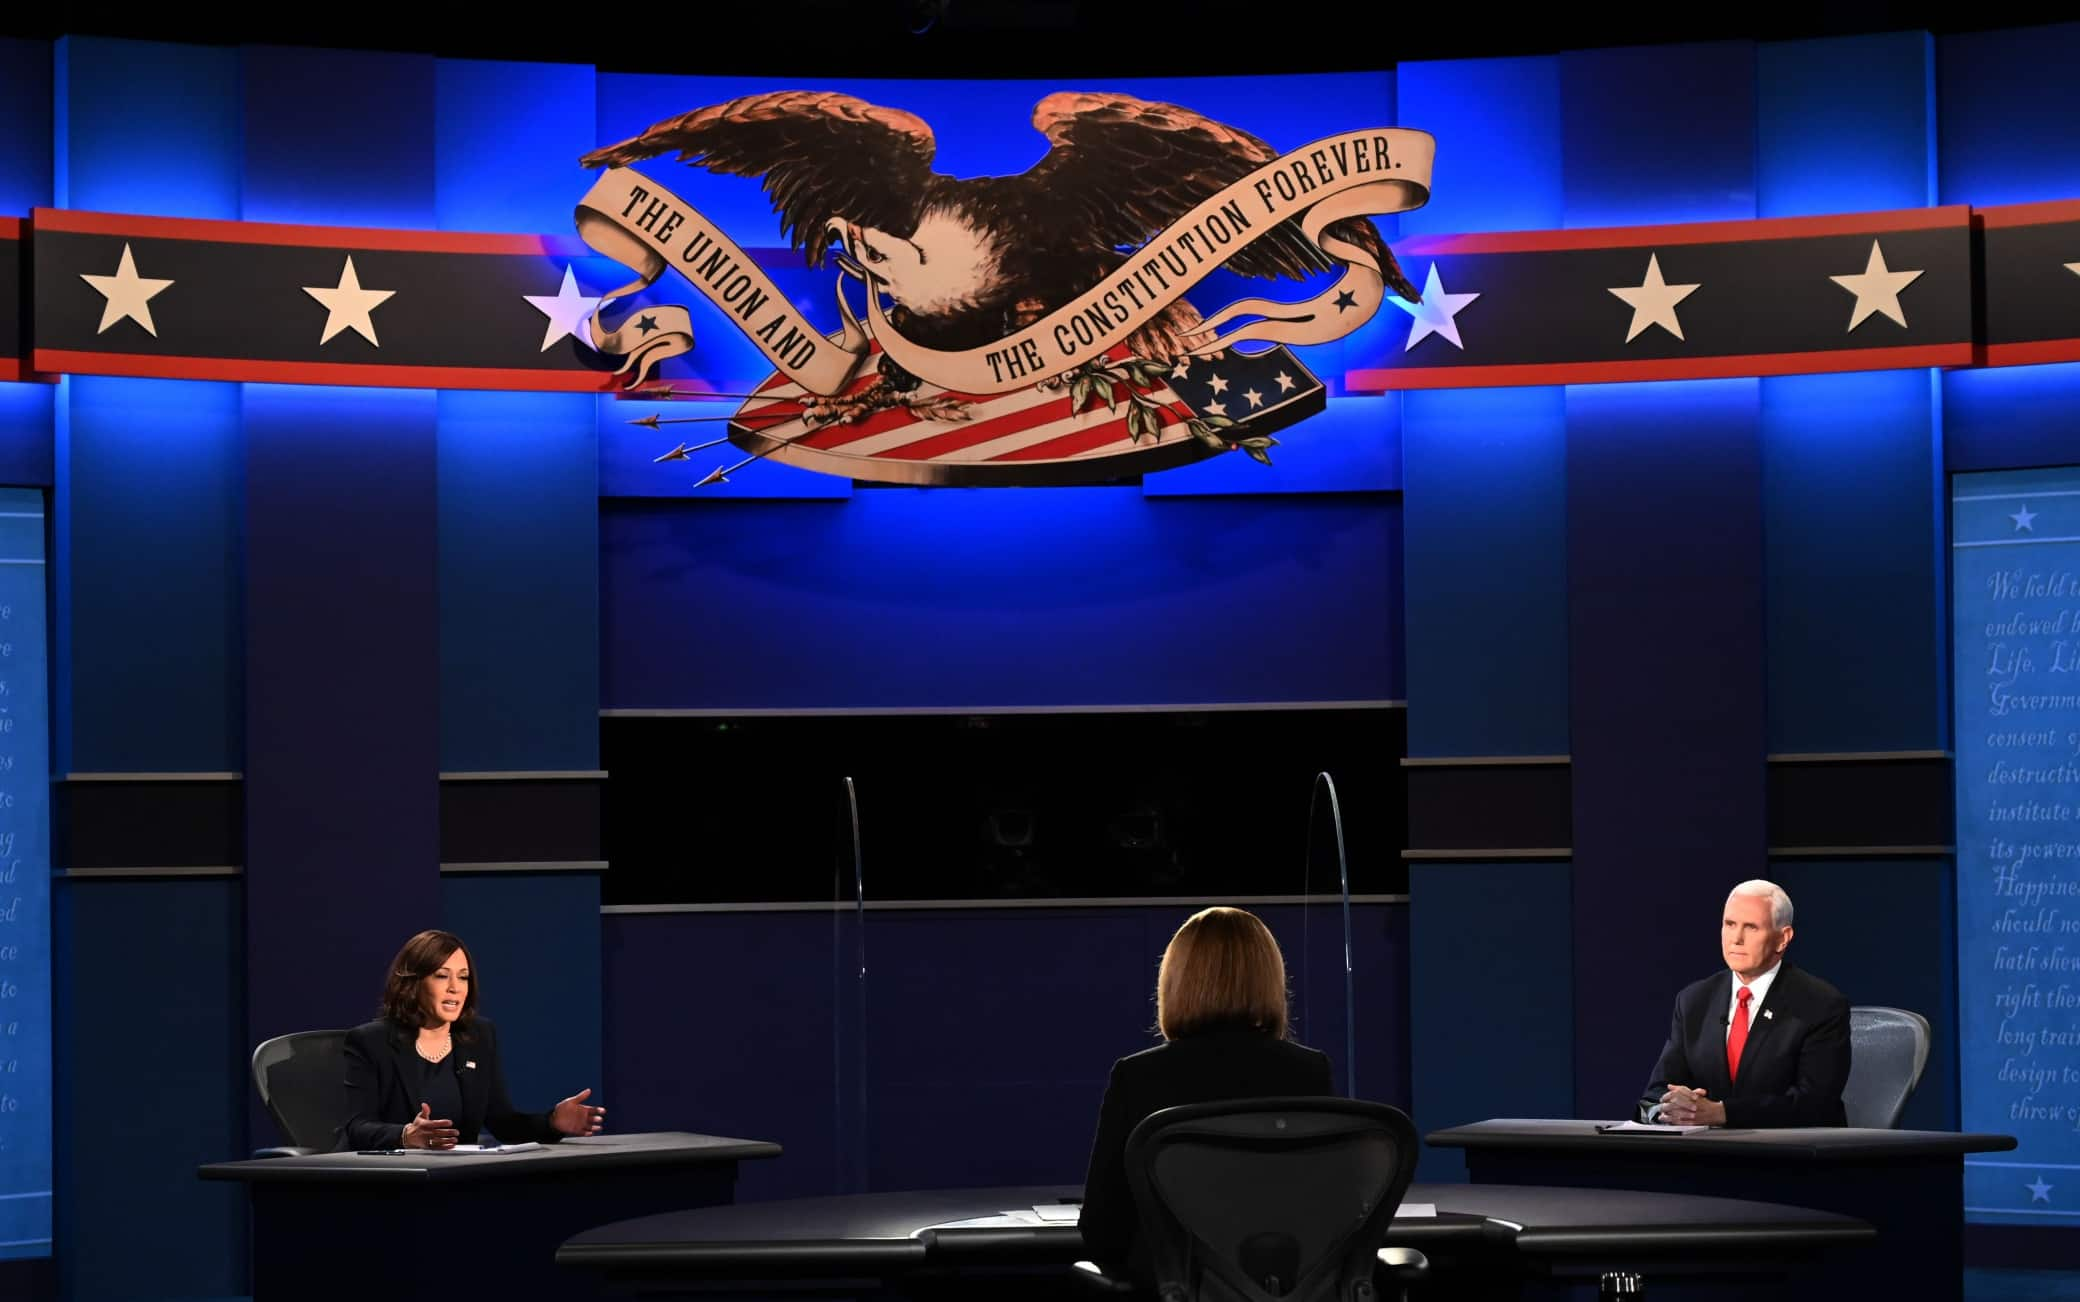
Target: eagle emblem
[952, 266]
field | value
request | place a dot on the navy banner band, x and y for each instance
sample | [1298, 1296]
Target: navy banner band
[221, 300]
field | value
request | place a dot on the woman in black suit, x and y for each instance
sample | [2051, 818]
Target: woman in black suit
[1222, 1009]
[426, 1074]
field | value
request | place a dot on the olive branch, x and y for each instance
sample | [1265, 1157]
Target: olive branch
[1101, 380]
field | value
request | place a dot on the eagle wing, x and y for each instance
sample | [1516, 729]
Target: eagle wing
[820, 154]
[1128, 167]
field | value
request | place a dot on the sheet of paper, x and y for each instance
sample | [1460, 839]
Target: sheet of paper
[1416, 1209]
[470, 1150]
[1058, 1213]
[1646, 1128]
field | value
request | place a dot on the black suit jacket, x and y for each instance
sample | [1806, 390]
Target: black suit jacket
[1793, 1067]
[1203, 1068]
[382, 1082]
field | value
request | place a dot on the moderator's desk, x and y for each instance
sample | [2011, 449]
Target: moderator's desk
[1907, 1183]
[455, 1224]
[1483, 1242]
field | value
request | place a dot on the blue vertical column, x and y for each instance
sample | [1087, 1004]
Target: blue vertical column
[1486, 521]
[1664, 536]
[1853, 536]
[147, 514]
[342, 617]
[518, 494]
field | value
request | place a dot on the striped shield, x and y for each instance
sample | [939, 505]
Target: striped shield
[1050, 434]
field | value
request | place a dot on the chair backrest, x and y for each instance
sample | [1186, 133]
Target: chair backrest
[1257, 1200]
[1888, 1047]
[303, 1080]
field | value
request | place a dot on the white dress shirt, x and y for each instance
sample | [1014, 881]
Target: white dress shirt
[1760, 985]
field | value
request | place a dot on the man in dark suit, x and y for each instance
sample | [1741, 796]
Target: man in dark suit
[1764, 1043]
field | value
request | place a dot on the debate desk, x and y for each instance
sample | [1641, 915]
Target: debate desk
[424, 1225]
[1483, 1242]
[1908, 1184]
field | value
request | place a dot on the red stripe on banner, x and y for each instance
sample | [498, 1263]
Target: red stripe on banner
[321, 237]
[2033, 353]
[967, 436]
[1735, 232]
[1083, 440]
[2029, 214]
[11, 228]
[1391, 379]
[11, 368]
[342, 373]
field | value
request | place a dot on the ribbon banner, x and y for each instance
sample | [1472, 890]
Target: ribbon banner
[1373, 172]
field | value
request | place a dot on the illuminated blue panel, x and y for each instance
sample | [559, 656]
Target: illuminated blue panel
[25, 883]
[25, 106]
[338, 137]
[1662, 133]
[2006, 104]
[342, 690]
[1665, 675]
[1847, 124]
[999, 596]
[1497, 123]
[519, 582]
[1852, 532]
[1353, 446]
[25, 432]
[148, 127]
[2015, 541]
[1486, 504]
[507, 141]
[2011, 416]
[149, 508]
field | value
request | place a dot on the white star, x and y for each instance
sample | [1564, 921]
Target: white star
[1653, 301]
[2040, 1192]
[1434, 315]
[567, 310]
[1216, 409]
[1219, 385]
[1877, 289]
[1285, 382]
[347, 305]
[1255, 399]
[2024, 519]
[1182, 369]
[127, 294]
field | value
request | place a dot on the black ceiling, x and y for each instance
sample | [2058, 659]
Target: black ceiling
[1014, 38]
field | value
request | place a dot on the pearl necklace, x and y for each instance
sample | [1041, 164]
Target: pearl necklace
[447, 1047]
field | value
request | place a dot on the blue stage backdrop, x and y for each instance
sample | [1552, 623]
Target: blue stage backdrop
[2016, 573]
[25, 896]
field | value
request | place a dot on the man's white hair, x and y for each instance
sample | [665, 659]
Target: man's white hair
[1779, 903]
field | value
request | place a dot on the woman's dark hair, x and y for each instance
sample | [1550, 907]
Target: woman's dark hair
[420, 958]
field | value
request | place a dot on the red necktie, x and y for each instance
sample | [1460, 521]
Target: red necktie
[1737, 1038]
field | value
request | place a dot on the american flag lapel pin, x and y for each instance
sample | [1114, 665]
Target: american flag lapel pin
[1767, 1015]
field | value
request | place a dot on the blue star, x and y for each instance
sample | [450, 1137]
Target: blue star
[647, 324]
[2039, 1192]
[2023, 518]
[1346, 299]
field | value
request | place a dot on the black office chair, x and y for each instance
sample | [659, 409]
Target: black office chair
[302, 1079]
[1258, 1200]
[1888, 1048]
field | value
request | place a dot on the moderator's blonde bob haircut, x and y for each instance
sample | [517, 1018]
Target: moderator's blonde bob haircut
[1221, 969]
